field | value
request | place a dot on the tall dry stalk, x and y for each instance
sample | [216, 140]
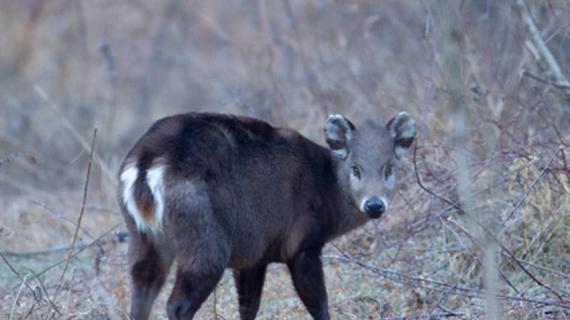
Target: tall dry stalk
[477, 213]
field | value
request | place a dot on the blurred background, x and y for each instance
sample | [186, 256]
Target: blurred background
[481, 223]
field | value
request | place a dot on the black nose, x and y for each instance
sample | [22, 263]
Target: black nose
[374, 207]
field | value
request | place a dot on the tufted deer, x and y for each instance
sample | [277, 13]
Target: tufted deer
[217, 191]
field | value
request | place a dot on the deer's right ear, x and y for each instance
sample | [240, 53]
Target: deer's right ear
[338, 131]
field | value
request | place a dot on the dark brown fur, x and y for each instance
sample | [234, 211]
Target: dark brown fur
[239, 194]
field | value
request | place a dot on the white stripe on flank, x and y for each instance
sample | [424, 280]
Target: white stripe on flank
[128, 178]
[155, 180]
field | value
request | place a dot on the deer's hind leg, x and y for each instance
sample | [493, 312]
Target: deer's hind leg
[249, 283]
[202, 246]
[150, 263]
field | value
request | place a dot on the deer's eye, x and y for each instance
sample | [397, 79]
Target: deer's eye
[356, 172]
[388, 171]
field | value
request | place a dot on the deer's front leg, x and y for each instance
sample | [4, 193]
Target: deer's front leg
[307, 273]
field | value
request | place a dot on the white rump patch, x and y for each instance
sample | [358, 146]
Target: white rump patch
[154, 179]
[128, 178]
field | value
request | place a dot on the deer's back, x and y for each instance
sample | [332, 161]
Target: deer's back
[262, 183]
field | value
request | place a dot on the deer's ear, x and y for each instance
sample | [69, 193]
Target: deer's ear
[402, 129]
[338, 131]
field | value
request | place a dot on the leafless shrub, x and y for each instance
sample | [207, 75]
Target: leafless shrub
[481, 228]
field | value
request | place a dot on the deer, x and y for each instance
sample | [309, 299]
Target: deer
[217, 191]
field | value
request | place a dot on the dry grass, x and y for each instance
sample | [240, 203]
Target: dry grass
[67, 67]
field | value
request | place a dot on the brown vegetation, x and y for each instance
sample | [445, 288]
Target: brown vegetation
[481, 223]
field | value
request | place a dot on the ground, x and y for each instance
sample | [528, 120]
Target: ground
[479, 226]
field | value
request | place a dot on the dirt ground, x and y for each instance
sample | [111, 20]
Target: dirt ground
[480, 224]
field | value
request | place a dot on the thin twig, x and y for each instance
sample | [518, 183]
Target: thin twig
[540, 44]
[79, 251]
[23, 280]
[489, 234]
[444, 296]
[523, 198]
[18, 295]
[556, 84]
[62, 217]
[438, 285]
[566, 166]
[104, 167]
[83, 201]
[419, 182]
[58, 249]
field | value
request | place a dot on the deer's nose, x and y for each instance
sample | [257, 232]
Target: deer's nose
[374, 207]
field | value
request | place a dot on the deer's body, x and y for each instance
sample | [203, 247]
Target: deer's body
[217, 191]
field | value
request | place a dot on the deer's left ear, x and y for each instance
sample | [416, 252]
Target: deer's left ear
[402, 129]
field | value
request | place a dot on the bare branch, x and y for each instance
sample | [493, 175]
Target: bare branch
[82, 211]
[24, 282]
[523, 198]
[120, 237]
[104, 168]
[442, 286]
[79, 251]
[489, 234]
[556, 84]
[540, 44]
